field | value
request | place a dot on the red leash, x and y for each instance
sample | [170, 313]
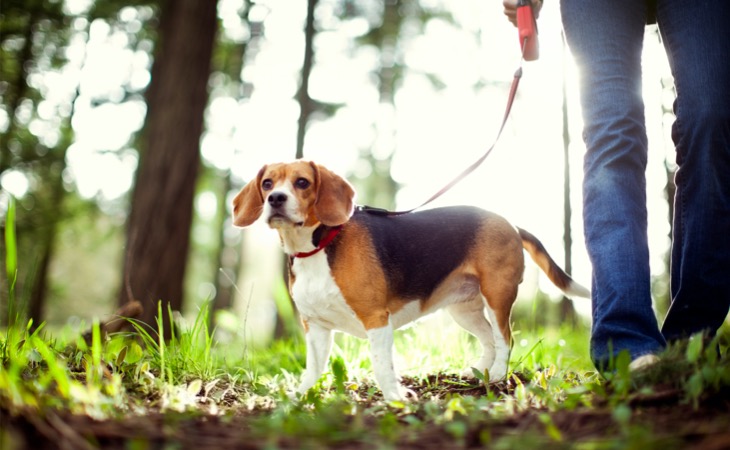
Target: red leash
[527, 27]
[468, 170]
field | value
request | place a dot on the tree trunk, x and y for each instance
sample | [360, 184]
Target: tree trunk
[305, 101]
[229, 254]
[567, 311]
[228, 257]
[380, 188]
[19, 88]
[306, 108]
[37, 300]
[159, 224]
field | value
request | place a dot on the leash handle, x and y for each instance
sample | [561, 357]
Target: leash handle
[527, 29]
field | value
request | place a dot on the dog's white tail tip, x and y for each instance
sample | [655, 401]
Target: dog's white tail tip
[577, 290]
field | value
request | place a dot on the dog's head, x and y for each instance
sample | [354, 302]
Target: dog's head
[294, 194]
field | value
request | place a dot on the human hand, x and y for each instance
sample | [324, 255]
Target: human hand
[510, 9]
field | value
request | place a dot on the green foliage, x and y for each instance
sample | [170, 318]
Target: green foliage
[188, 353]
[709, 373]
[39, 373]
[120, 375]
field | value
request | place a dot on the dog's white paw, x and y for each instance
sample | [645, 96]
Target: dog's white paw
[407, 393]
[470, 374]
[498, 372]
[400, 393]
[308, 380]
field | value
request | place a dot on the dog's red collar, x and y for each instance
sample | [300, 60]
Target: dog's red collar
[324, 242]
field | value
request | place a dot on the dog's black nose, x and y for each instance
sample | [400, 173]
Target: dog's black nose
[276, 199]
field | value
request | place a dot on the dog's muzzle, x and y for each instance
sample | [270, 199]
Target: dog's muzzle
[278, 215]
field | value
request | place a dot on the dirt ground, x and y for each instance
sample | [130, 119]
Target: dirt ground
[658, 420]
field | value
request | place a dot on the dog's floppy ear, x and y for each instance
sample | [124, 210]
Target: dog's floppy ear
[335, 197]
[249, 203]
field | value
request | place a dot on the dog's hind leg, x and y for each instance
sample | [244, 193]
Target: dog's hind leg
[502, 343]
[470, 316]
[500, 297]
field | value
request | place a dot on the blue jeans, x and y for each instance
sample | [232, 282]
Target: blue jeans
[606, 40]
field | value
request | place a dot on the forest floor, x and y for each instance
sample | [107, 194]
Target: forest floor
[135, 391]
[656, 418]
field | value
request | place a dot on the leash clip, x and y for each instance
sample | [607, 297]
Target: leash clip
[527, 28]
[374, 211]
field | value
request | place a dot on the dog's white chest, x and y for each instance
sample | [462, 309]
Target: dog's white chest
[319, 299]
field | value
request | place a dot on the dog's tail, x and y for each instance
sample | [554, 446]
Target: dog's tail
[557, 275]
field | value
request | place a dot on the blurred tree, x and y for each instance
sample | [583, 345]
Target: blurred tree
[56, 197]
[396, 22]
[33, 38]
[309, 108]
[43, 55]
[230, 57]
[227, 255]
[306, 105]
[567, 311]
[159, 224]
[382, 189]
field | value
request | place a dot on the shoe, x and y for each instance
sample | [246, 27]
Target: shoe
[643, 362]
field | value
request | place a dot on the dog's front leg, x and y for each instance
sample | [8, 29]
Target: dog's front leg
[319, 344]
[381, 350]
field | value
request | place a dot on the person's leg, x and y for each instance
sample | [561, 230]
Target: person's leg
[606, 40]
[697, 39]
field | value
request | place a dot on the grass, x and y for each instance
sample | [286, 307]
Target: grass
[137, 375]
[135, 390]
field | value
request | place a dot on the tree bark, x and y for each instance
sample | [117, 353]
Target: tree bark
[306, 108]
[229, 254]
[567, 311]
[159, 224]
[228, 257]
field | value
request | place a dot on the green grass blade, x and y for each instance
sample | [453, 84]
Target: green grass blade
[95, 369]
[56, 369]
[11, 259]
[161, 340]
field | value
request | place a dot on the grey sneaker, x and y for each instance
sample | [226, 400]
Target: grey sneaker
[643, 362]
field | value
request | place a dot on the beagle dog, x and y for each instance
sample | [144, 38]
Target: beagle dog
[368, 274]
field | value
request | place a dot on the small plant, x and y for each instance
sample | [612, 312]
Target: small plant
[187, 354]
[709, 373]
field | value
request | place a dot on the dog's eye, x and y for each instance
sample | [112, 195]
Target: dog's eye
[302, 183]
[267, 185]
